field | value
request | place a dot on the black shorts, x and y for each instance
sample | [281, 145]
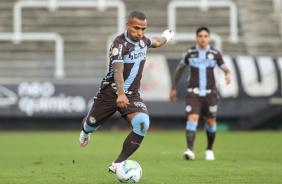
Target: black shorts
[105, 105]
[205, 105]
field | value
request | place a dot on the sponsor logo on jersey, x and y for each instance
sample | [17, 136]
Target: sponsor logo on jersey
[197, 62]
[120, 47]
[137, 54]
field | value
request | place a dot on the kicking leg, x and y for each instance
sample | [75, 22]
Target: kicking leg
[140, 123]
[85, 133]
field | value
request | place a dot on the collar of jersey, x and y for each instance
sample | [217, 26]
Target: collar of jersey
[130, 41]
[208, 48]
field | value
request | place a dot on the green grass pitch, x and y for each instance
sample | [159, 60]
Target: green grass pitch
[56, 158]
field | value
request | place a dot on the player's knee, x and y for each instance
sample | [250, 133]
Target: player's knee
[211, 128]
[140, 123]
[192, 126]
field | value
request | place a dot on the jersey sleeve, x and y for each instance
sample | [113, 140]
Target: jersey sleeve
[117, 51]
[220, 61]
[148, 41]
[184, 59]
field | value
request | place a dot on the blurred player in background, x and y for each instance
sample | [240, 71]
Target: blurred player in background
[201, 95]
[120, 88]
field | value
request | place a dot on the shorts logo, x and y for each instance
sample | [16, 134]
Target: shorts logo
[213, 109]
[188, 108]
[114, 52]
[92, 120]
[141, 105]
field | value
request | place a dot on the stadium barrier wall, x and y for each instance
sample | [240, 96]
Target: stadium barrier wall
[256, 82]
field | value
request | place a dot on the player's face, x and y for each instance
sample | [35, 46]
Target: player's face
[203, 39]
[136, 29]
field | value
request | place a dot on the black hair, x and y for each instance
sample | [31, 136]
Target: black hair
[136, 14]
[202, 29]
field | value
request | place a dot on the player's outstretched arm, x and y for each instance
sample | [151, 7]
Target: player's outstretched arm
[166, 37]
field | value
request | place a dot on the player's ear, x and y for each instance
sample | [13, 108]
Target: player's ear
[127, 25]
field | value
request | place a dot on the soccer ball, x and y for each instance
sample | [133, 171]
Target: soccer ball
[129, 171]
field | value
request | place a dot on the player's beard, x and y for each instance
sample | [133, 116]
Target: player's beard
[137, 39]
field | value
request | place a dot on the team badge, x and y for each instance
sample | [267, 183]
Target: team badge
[210, 56]
[114, 52]
[142, 43]
[188, 108]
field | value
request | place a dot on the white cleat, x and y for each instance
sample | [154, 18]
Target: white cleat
[189, 155]
[84, 138]
[209, 155]
[113, 167]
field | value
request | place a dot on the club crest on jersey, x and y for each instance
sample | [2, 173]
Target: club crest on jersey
[142, 44]
[114, 52]
[210, 56]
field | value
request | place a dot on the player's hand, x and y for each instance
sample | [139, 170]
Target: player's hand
[122, 101]
[168, 34]
[173, 95]
[228, 78]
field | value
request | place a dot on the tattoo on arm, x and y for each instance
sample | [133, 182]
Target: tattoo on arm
[158, 42]
[118, 76]
[177, 75]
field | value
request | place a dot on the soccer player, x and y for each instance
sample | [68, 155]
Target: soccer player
[120, 88]
[201, 97]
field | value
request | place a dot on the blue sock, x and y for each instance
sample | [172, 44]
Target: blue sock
[192, 126]
[88, 129]
[212, 128]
